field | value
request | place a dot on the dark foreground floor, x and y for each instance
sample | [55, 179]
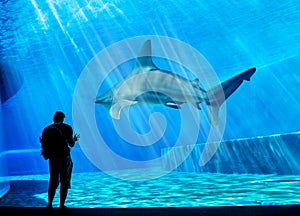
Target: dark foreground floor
[174, 211]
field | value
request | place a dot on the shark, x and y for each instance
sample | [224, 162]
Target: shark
[150, 84]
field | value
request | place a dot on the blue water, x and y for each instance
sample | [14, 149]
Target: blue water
[46, 46]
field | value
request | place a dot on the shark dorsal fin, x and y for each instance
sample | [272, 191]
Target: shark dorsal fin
[144, 58]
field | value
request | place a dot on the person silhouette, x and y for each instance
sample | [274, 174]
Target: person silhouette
[56, 142]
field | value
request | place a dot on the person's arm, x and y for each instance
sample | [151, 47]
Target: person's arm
[76, 137]
[72, 139]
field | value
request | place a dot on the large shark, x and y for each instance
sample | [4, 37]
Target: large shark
[149, 84]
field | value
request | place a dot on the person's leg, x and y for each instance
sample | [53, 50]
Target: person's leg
[53, 182]
[63, 195]
[65, 180]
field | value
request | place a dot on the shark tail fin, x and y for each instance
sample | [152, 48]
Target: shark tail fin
[219, 93]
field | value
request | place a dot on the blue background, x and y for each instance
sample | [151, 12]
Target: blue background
[46, 45]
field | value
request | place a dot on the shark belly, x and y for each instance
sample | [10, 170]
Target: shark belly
[154, 88]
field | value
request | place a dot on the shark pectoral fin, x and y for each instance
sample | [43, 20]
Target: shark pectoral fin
[213, 114]
[173, 105]
[115, 110]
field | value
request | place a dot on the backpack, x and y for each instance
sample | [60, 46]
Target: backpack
[53, 142]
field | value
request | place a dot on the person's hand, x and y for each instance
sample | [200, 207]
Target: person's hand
[76, 137]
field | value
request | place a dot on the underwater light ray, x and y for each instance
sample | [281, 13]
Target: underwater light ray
[59, 21]
[54, 12]
[286, 89]
[41, 16]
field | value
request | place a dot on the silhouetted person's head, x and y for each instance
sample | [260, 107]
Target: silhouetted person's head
[58, 117]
